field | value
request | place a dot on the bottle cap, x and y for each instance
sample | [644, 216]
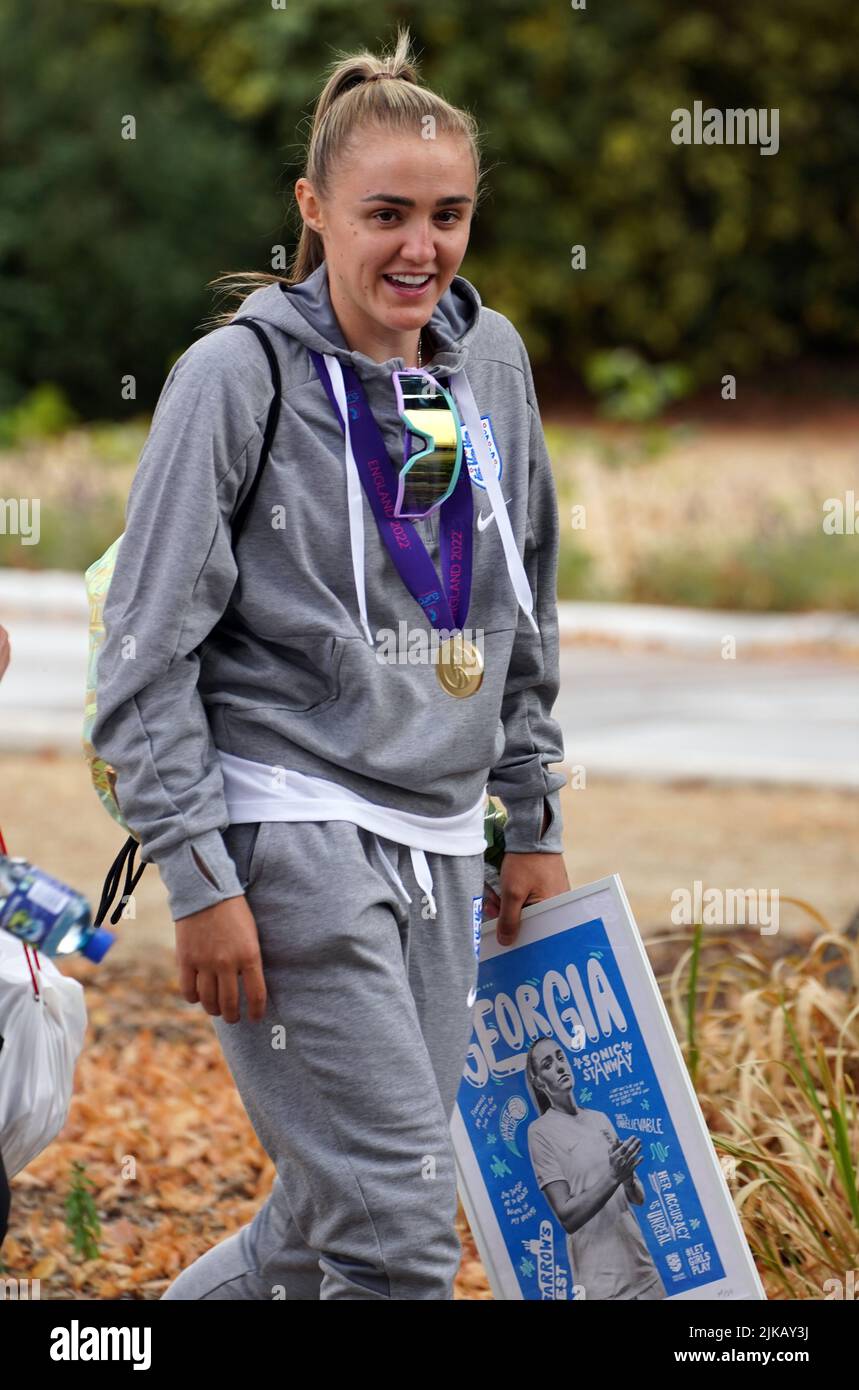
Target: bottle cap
[99, 944]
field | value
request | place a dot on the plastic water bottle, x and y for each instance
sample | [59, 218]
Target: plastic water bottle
[48, 914]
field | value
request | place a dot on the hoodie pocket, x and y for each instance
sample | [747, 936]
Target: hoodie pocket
[302, 671]
[245, 843]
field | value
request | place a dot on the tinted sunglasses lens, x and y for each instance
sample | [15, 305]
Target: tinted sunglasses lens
[429, 475]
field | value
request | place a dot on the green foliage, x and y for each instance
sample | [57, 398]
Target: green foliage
[793, 573]
[837, 1121]
[81, 1214]
[648, 444]
[576, 577]
[628, 388]
[106, 243]
[72, 533]
[719, 255]
[43, 412]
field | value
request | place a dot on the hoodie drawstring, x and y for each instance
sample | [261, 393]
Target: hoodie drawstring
[467, 405]
[354, 494]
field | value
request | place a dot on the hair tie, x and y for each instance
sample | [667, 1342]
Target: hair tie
[360, 81]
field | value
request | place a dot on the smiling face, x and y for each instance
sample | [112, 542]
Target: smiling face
[398, 204]
[551, 1072]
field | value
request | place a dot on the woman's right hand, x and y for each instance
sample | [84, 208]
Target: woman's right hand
[624, 1158]
[213, 948]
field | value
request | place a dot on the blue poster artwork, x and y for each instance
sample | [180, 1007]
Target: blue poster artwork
[560, 1099]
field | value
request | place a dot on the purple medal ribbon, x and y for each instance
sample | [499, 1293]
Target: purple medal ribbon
[445, 602]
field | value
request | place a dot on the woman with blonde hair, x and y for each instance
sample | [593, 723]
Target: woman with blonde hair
[304, 727]
[587, 1175]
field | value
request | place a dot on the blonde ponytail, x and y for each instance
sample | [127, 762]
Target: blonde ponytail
[356, 97]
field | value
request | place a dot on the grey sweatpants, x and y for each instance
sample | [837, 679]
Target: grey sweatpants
[351, 1077]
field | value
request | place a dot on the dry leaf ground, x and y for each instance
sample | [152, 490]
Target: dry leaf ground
[156, 1118]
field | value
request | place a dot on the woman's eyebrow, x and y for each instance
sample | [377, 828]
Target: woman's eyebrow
[410, 202]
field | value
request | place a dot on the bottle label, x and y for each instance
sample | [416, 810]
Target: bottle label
[46, 895]
[33, 907]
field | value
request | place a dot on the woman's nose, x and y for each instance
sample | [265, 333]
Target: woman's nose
[419, 246]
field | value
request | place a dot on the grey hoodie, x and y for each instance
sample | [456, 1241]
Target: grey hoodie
[262, 654]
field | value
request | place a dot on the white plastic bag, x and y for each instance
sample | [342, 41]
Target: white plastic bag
[42, 1039]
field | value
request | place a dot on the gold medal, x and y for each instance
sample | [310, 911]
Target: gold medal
[459, 667]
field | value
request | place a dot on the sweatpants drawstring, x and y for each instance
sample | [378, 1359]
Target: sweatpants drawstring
[421, 871]
[424, 877]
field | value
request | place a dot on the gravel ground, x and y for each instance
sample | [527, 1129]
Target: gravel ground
[658, 837]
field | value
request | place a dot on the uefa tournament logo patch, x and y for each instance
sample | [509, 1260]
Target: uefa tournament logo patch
[471, 462]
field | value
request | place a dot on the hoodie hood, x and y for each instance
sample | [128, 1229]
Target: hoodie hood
[305, 311]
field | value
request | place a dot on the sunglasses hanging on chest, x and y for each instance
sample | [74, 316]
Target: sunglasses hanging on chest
[431, 479]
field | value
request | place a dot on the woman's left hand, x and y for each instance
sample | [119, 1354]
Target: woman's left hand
[525, 879]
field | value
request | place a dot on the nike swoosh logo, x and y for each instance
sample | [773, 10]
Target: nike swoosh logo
[472, 995]
[484, 521]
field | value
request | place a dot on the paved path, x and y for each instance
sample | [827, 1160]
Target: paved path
[664, 714]
[625, 710]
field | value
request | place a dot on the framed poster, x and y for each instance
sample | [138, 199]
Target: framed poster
[584, 1163]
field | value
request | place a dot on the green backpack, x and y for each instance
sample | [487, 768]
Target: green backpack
[97, 579]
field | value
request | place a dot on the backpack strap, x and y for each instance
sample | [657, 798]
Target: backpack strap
[241, 515]
[125, 858]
